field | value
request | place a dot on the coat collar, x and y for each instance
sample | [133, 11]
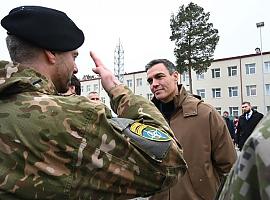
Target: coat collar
[184, 101]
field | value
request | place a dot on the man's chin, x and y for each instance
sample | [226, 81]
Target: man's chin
[159, 97]
[162, 98]
[158, 93]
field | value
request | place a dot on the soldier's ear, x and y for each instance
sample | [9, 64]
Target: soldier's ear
[50, 56]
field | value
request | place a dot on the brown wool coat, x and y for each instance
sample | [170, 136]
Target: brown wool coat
[208, 148]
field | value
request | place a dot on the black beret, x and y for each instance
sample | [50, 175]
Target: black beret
[44, 27]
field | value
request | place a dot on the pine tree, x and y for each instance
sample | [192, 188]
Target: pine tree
[195, 39]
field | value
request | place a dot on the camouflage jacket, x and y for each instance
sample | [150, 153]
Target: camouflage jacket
[58, 147]
[249, 179]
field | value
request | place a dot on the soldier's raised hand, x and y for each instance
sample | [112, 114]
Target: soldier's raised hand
[108, 79]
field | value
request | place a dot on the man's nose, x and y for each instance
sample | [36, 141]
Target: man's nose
[155, 83]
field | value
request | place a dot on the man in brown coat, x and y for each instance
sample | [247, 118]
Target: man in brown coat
[206, 141]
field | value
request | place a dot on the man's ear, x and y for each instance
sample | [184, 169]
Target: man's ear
[50, 56]
[175, 75]
[72, 89]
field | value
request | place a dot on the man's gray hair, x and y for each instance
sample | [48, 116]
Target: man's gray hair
[93, 92]
[168, 64]
[20, 50]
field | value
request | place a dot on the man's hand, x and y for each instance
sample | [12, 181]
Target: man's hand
[108, 80]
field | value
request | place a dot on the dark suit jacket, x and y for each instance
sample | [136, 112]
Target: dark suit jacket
[230, 126]
[245, 127]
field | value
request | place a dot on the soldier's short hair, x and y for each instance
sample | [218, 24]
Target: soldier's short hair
[21, 50]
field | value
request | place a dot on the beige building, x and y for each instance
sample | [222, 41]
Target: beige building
[227, 83]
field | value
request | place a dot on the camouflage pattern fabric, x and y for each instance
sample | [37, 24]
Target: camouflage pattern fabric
[56, 147]
[249, 179]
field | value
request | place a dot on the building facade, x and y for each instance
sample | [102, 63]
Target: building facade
[226, 84]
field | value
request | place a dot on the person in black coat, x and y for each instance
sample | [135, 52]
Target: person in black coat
[247, 123]
[229, 124]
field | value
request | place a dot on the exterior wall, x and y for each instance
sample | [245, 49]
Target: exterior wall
[222, 82]
[261, 100]
[143, 89]
[241, 80]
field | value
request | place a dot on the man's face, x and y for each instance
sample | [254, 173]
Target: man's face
[225, 114]
[246, 108]
[162, 84]
[65, 67]
[94, 97]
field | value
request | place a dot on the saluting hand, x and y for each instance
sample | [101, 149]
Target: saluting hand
[108, 79]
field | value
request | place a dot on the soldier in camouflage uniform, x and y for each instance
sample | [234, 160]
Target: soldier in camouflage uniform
[249, 179]
[67, 147]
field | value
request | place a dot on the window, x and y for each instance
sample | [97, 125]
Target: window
[95, 87]
[233, 91]
[139, 82]
[250, 68]
[267, 67]
[268, 108]
[200, 76]
[233, 111]
[218, 109]
[251, 90]
[185, 76]
[129, 83]
[201, 92]
[267, 89]
[149, 96]
[216, 92]
[82, 88]
[232, 71]
[216, 73]
[103, 100]
[88, 88]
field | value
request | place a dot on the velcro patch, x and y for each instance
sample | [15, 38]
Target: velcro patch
[149, 132]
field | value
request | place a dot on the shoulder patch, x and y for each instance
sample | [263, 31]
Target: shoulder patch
[149, 132]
